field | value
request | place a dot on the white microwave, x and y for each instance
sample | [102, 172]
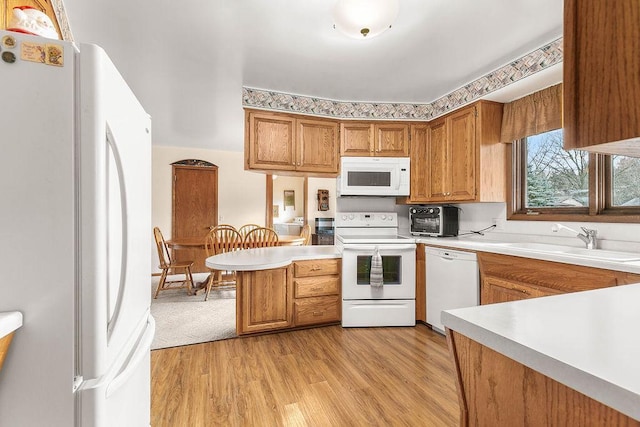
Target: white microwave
[373, 176]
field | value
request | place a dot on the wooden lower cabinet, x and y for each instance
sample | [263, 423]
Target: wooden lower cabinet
[494, 390]
[506, 278]
[263, 300]
[304, 293]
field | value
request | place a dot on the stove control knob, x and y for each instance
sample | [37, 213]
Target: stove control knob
[413, 210]
[344, 217]
[352, 216]
[390, 218]
[430, 210]
[383, 217]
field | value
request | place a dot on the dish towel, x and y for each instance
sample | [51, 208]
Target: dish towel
[375, 274]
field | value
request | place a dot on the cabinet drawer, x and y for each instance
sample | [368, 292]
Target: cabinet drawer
[318, 267]
[316, 286]
[309, 311]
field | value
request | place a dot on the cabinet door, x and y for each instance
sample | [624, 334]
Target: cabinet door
[270, 142]
[317, 146]
[437, 158]
[494, 290]
[462, 163]
[356, 139]
[601, 112]
[391, 140]
[419, 164]
[264, 300]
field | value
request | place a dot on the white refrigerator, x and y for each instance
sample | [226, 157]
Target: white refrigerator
[75, 229]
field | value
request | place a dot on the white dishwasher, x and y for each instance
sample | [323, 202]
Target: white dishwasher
[452, 282]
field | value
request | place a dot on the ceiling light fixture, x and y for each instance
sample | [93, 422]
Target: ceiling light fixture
[364, 19]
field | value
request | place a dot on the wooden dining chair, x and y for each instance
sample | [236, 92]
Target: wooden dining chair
[166, 264]
[245, 229]
[221, 240]
[306, 233]
[222, 226]
[261, 237]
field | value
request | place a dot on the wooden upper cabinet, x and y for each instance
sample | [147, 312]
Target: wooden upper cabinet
[356, 139]
[435, 162]
[420, 134]
[281, 142]
[364, 139]
[461, 163]
[270, 141]
[601, 84]
[459, 157]
[317, 146]
[391, 140]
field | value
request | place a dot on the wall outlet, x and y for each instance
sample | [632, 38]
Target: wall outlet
[220, 218]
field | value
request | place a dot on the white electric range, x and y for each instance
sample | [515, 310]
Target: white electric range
[366, 303]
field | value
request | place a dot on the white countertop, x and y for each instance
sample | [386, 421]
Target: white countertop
[487, 245]
[9, 322]
[267, 258]
[588, 341]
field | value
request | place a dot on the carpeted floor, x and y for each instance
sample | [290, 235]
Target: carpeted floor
[182, 319]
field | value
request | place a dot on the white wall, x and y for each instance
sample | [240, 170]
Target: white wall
[282, 183]
[241, 194]
[612, 236]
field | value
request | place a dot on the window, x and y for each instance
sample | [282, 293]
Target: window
[572, 185]
[555, 177]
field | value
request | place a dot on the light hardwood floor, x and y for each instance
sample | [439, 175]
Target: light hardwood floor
[326, 376]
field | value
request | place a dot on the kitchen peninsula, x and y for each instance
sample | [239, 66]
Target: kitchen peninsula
[283, 287]
[562, 360]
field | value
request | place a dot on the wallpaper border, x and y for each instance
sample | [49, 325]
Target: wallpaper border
[525, 66]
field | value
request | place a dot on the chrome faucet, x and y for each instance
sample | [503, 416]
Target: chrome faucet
[589, 237]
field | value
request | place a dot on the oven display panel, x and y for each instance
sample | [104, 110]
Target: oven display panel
[391, 270]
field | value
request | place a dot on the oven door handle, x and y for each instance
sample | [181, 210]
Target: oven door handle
[371, 247]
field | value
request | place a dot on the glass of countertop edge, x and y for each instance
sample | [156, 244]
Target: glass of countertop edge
[9, 322]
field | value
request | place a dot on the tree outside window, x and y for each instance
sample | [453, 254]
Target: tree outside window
[555, 177]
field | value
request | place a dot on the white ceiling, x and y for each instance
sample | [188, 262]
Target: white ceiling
[188, 61]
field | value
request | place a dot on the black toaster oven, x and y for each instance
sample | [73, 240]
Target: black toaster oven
[434, 221]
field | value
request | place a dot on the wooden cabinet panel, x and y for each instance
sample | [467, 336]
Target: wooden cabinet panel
[264, 300]
[508, 278]
[391, 140]
[305, 287]
[364, 139]
[310, 311]
[317, 146]
[318, 267]
[498, 290]
[271, 142]
[356, 139]
[462, 159]
[437, 162]
[419, 171]
[286, 143]
[496, 390]
[601, 88]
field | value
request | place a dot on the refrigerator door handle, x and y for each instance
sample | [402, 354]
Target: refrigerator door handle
[124, 210]
[140, 352]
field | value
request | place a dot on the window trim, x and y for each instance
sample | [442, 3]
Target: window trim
[600, 207]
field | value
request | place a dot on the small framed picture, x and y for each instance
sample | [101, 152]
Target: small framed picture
[289, 199]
